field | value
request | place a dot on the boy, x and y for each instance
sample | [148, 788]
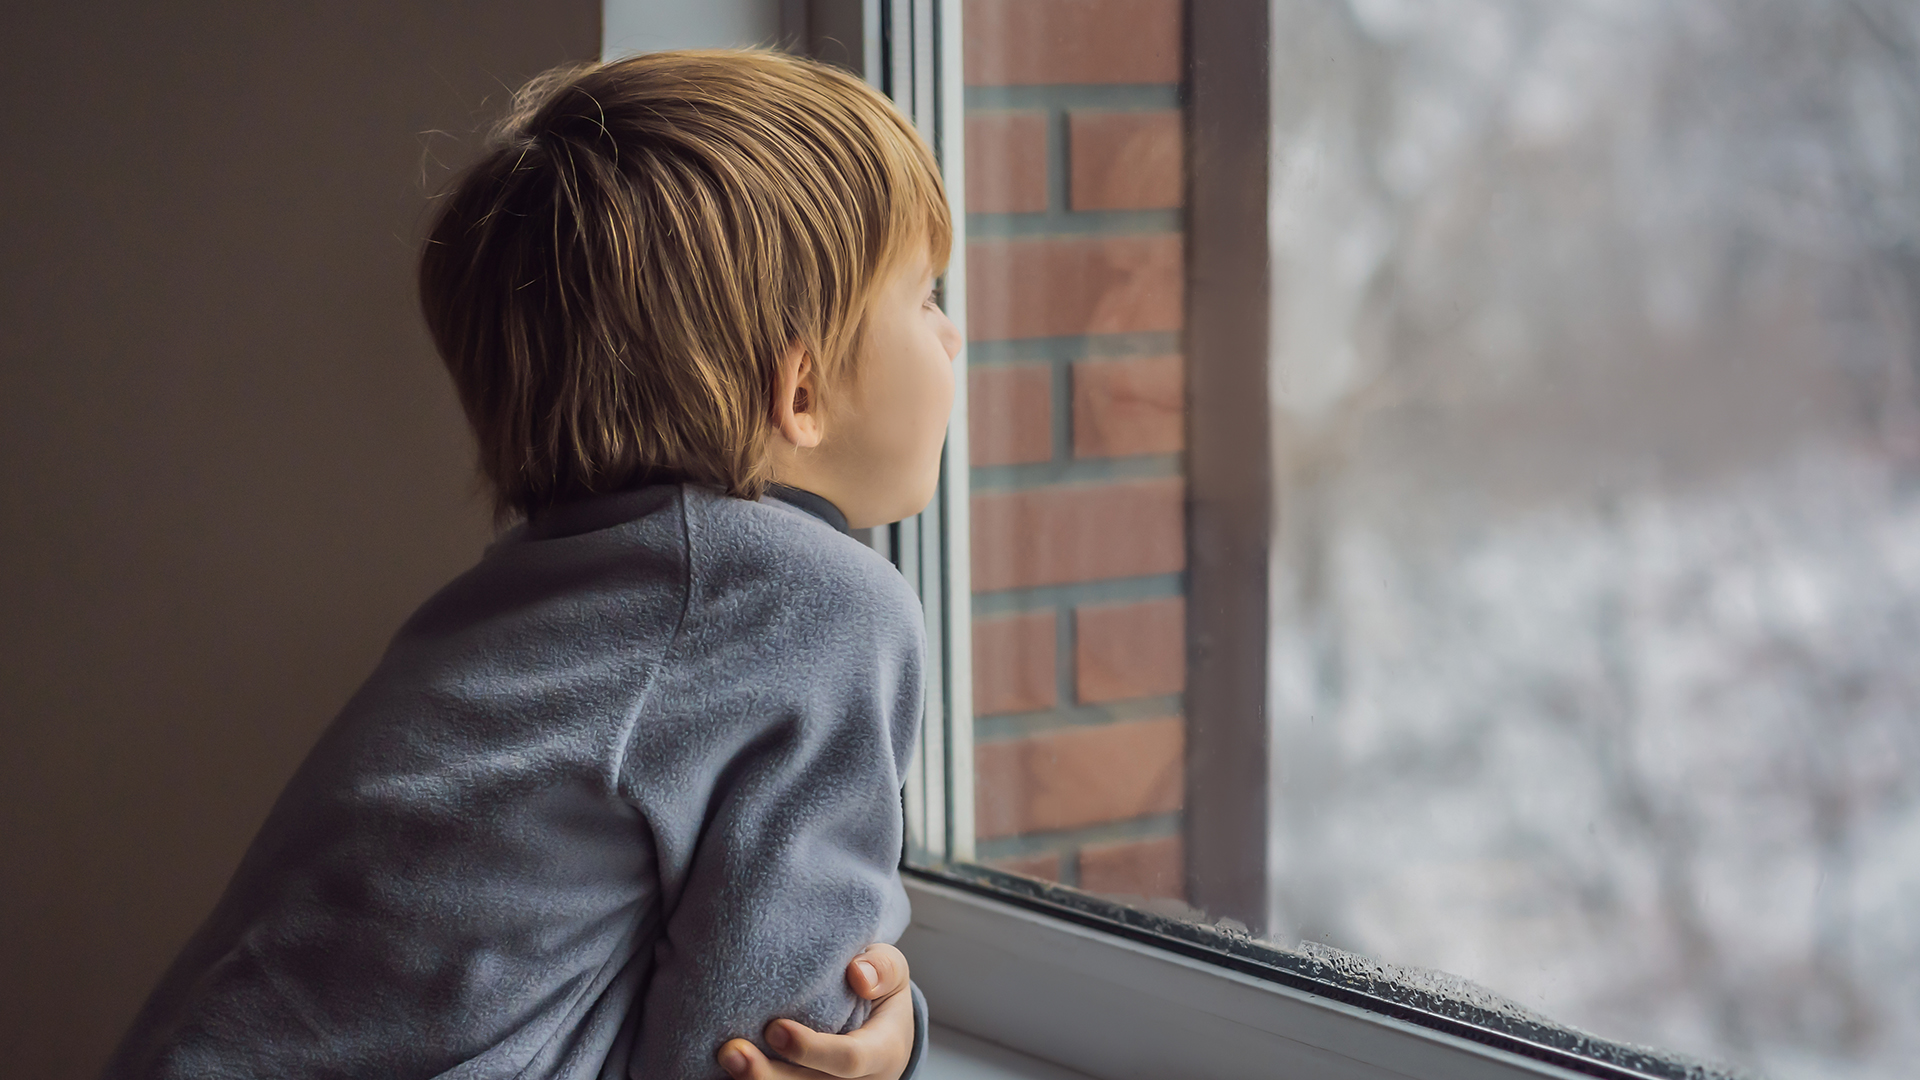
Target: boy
[628, 791]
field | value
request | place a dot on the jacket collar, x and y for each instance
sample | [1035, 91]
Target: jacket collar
[811, 503]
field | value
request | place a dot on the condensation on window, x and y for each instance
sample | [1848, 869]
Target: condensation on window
[1432, 999]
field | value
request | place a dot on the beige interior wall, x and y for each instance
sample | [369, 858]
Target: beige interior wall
[231, 464]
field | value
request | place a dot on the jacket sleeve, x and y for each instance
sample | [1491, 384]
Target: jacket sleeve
[919, 1034]
[784, 863]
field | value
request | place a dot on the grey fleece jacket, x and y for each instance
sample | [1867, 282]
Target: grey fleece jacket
[628, 788]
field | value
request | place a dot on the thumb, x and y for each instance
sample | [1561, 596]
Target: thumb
[880, 971]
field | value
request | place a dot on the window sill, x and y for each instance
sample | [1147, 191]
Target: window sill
[1118, 1009]
[955, 1055]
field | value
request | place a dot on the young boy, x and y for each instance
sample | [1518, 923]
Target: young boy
[628, 790]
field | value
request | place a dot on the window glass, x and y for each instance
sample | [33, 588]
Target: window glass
[1595, 663]
[1594, 580]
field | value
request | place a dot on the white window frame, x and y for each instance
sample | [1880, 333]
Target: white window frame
[1062, 991]
[1120, 1009]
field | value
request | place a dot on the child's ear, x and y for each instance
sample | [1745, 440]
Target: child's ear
[796, 401]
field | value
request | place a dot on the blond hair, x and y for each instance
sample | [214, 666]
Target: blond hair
[613, 283]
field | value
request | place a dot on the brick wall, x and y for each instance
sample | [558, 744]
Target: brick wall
[1075, 294]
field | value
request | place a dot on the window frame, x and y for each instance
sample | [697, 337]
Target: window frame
[1061, 976]
[1073, 992]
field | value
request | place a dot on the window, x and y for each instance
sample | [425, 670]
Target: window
[1436, 498]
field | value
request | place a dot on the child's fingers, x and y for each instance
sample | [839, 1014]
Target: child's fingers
[880, 1047]
[834, 1055]
[878, 972]
[744, 1061]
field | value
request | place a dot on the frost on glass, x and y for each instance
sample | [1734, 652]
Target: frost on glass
[1597, 389]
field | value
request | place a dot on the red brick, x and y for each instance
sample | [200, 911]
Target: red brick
[1079, 776]
[1010, 414]
[1075, 285]
[1031, 42]
[1130, 650]
[1013, 664]
[1154, 868]
[1050, 536]
[1007, 163]
[1125, 407]
[1122, 160]
[1045, 867]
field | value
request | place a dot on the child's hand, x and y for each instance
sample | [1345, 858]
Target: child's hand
[878, 1049]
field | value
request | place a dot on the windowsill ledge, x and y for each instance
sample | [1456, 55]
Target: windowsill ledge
[1118, 1009]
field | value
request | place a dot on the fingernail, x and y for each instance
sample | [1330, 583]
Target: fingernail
[779, 1036]
[872, 973]
[733, 1061]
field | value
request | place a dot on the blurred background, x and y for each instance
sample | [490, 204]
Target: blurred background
[1597, 663]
